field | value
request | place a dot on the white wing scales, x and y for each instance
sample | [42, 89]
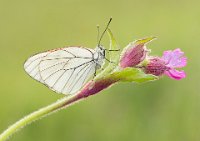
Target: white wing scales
[63, 70]
[31, 65]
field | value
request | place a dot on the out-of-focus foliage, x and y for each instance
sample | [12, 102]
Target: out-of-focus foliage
[157, 111]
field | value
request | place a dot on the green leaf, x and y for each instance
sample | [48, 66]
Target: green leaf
[132, 75]
[144, 40]
[114, 55]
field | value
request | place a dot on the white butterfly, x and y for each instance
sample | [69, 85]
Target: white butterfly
[66, 70]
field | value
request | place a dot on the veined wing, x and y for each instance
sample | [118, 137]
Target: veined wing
[63, 70]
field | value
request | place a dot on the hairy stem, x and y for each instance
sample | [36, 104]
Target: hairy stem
[91, 88]
[62, 103]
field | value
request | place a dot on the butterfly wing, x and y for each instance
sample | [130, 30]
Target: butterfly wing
[63, 70]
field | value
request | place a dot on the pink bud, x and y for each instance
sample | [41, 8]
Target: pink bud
[133, 56]
[134, 53]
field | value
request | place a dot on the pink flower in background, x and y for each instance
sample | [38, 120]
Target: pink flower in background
[167, 64]
[175, 59]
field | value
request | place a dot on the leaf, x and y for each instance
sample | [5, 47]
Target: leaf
[145, 40]
[132, 75]
[114, 55]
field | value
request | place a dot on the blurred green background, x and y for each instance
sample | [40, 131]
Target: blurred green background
[157, 111]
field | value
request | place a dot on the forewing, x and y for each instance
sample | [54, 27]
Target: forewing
[63, 70]
[32, 63]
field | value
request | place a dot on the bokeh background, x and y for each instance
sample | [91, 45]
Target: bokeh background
[157, 111]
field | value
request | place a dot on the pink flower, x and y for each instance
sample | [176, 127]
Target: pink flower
[167, 64]
[175, 59]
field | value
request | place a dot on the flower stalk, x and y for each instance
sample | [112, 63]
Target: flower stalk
[62, 103]
[88, 90]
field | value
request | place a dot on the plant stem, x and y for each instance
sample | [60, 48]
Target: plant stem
[62, 103]
[91, 88]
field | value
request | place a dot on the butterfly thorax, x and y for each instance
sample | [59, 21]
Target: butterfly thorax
[99, 55]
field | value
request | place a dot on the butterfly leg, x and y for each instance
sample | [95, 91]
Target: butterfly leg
[110, 61]
[113, 49]
[96, 68]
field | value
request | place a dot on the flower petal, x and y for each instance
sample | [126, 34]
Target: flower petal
[181, 62]
[175, 74]
[174, 59]
[167, 55]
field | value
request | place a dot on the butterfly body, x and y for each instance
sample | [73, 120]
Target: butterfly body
[99, 56]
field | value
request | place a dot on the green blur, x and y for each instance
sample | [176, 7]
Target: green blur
[164, 110]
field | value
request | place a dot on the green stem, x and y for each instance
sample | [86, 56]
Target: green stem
[62, 103]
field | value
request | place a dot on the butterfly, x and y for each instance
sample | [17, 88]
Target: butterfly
[66, 70]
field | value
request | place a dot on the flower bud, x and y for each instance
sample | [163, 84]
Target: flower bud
[156, 66]
[134, 53]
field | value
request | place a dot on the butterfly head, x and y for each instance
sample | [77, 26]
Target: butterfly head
[101, 50]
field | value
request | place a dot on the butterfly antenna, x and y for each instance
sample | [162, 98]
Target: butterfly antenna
[104, 32]
[98, 33]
